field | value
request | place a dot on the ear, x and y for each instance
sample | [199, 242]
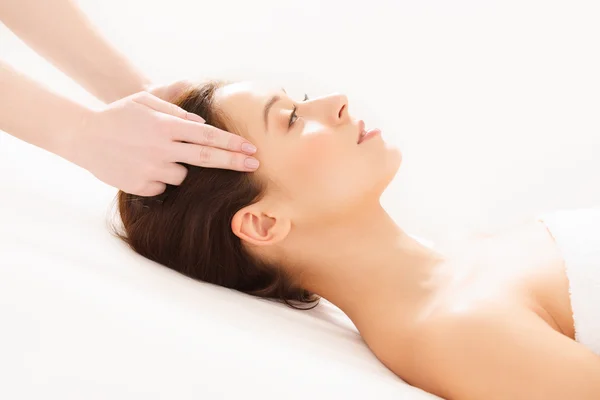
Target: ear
[258, 227]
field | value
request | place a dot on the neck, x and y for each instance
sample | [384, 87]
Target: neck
[364, 262]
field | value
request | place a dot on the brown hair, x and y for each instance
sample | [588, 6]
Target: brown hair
[188, 227]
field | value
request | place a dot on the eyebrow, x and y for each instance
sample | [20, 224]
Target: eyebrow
[268, 107]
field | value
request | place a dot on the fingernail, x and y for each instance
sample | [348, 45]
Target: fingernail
[251, 163]
[195, 117]
[248, 148]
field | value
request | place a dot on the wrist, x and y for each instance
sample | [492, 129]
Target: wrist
[69, 141]
[113, 80]
[118, 90]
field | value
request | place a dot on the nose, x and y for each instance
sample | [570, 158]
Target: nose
[336, 108]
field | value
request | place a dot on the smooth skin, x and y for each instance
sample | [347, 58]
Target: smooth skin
[498, 352]
[479, 318]
[135, 142]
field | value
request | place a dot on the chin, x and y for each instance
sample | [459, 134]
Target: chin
[394, 159]
[392, 165]
[386, 171]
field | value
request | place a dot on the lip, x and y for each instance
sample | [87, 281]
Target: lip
[361, 128]
[368, 133]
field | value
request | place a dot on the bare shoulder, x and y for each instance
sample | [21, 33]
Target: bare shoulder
[498, 352]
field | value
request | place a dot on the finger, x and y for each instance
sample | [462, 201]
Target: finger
[173, 174]
[212, 157]
[176, 89]
[165, 107]
[208, 135]
[191, 132]
[152, 189]
[171, 91]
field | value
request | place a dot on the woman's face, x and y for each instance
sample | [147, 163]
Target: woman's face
[308, 149]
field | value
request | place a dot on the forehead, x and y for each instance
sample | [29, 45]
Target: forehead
[243, 104]
[246, 90]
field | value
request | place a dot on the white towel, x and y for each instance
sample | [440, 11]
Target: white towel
[577, 234]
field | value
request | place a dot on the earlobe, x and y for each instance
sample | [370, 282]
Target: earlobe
[259, 228]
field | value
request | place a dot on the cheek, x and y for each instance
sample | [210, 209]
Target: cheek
[322, 171]
[317, 157]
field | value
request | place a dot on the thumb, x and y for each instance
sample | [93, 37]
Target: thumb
[154, 189]
[165, 107]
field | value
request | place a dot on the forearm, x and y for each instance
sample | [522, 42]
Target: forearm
[36, 115]
[60, 32]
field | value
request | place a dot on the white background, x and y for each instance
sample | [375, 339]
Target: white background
[495, 104]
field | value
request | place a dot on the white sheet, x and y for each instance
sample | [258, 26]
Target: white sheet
[85, 317]
[82, 317]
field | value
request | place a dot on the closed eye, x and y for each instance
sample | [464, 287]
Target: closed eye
[293, 117]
